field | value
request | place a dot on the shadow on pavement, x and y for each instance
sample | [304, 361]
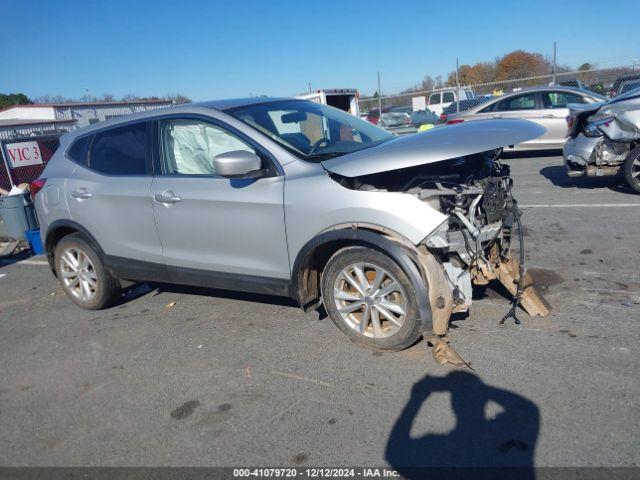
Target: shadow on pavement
[477, 443]
[140, 289]
[557, 175]
[6, 260]
[518, 154]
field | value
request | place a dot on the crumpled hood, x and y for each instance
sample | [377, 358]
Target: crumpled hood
[434, 145]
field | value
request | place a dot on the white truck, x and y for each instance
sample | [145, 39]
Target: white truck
[441, 99]
[343, 98]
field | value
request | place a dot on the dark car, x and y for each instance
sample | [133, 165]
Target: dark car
[461, 106]
[422, 117]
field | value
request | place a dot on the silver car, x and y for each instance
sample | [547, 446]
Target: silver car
[546, 106]
[604, 139]
[286, 197]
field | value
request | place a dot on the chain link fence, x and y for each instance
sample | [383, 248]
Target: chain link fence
[23, 159]
[605, 81]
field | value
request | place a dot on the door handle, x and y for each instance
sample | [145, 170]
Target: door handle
[496, 116]
[168, 198]
[81, 194]
[548, 115]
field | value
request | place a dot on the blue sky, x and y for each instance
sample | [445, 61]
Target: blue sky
[217, 49]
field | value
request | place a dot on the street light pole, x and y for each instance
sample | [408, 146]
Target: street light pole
[457, 89]
[554, 63]
[379, 98]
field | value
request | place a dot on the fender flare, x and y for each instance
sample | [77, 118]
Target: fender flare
[403, 256]
[49, 238]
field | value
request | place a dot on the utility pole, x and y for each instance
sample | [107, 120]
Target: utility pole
[457, 89]
[379, 97]
[309, 87]
[554, 63]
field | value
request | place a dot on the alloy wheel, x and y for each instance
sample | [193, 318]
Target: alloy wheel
[78, 274]
[370, 300]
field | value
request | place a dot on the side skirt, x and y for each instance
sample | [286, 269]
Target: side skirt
[137, 270]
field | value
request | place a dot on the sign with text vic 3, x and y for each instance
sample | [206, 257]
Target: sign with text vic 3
[22, 154]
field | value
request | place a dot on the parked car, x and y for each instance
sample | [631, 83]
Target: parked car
[395, 117]
[423, 117]
[461, 106]
[285, 197]
[604, 139]
[633, 77]
[546, 106]
[628, 86]
[440, 100]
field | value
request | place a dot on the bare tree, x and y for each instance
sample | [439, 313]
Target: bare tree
[178, 98]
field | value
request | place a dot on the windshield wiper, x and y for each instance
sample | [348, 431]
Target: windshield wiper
[325, 155]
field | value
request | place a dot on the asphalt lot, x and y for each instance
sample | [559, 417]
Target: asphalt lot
[230, 379]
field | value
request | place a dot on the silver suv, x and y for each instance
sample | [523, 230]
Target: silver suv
[284, 197]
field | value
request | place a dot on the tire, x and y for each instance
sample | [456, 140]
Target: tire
[340, 293]
[74, 254]
[631, 168]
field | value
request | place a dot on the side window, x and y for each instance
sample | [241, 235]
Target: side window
[189, 145]
[560, 99]
[78, 151]
[120, 151]
[448, 97]
[434, 99]
[520, 102]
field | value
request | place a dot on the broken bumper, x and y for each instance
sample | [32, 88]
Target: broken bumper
[577, 152]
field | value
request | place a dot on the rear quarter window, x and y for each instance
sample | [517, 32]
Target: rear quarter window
[78, 150]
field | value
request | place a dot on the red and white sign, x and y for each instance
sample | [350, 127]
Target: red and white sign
[23, 153]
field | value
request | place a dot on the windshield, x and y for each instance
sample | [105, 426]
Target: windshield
[312, 131]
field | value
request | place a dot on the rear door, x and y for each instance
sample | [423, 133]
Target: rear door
[109, 195]
[554, 113]
[216, 231]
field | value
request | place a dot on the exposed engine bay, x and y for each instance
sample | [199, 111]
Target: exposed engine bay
[473, 246]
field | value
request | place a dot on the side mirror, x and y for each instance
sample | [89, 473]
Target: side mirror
[237, 163]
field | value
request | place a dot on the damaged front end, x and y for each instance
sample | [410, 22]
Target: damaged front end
[473, 246]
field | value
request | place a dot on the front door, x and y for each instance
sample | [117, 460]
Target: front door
[216, 231]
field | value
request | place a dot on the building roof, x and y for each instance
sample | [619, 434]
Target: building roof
[21, 122]
[91, 104]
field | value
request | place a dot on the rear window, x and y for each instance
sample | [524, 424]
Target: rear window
[120, 151]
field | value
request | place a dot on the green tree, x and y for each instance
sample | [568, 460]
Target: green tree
[10, 99]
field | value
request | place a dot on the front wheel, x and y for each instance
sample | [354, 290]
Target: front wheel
[632, 169]
[370, 299]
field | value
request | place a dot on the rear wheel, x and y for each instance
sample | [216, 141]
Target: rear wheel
[370, 299]
[632, 169]
[83, 276]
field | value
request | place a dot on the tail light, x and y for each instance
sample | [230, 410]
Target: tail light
[570, 121]
[36, 186]
[454, 121]
[443, 117]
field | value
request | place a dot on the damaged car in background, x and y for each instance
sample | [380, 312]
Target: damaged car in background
[289, 197]
[604, 139]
